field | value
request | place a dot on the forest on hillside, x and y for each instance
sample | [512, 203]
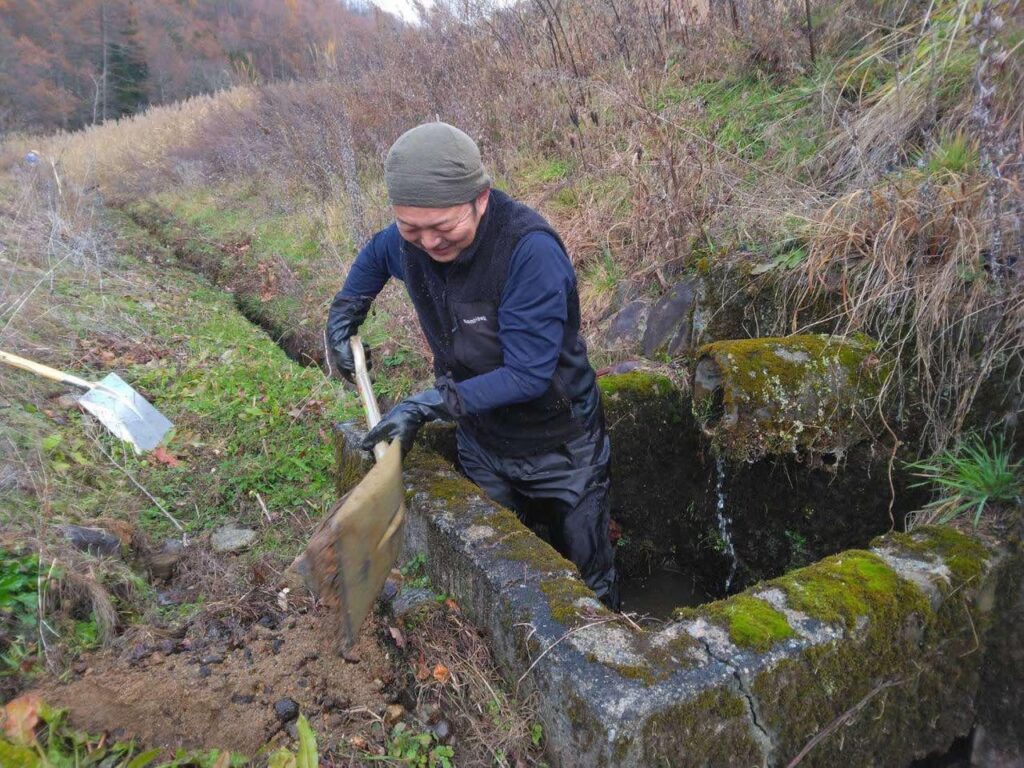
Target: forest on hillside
[69, 63]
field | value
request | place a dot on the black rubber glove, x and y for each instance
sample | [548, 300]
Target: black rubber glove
[343, 321]
[405, 419]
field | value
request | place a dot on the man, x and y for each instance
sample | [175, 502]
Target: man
[495, 294]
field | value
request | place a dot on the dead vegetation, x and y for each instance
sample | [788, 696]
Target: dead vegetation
[657, 134]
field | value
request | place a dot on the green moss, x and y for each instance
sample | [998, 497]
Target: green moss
[711, 729]
[636, 384]
[926, 662]
[964, 556]
[640, 672]
[849, 586]
[780, 394]
[562, 594]
[752, 623]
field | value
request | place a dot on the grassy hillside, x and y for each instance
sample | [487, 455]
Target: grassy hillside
[872, 186]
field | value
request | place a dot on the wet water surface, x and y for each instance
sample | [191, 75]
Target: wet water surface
[659, 593]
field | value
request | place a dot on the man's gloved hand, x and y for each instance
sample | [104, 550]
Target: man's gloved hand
[343, 320]
[404, 420]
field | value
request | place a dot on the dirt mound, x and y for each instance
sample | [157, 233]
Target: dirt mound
[220, 693]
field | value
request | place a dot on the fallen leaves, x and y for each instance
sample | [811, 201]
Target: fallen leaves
[442, 674]
[20, 718]
[164, 456]
[397, 636]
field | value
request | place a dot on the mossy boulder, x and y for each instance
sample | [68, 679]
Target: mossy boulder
[813, 393]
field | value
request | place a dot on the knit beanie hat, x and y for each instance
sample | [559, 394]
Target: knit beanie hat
[434, 165]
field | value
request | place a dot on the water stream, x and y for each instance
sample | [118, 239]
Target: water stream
[724, 521]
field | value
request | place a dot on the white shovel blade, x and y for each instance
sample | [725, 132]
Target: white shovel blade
[126, 413]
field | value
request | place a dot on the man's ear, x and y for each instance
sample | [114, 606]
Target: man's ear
[480, 203]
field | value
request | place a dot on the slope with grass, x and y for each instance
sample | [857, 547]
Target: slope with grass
[116, 642]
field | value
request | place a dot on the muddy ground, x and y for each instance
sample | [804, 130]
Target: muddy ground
[221, 690]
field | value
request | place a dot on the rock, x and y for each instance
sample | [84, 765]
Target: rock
[393, 713]
[95, 541]
[213, 658]
[286, 709]
[390, 590]
[231, 539]
[292, 730]
[267, 620]
[275, 645]
[204, 671]
[627, 326]
[409, 599]
[669, 326]
[164, 562]
[240, 698]
[442, 730]
[68, 402]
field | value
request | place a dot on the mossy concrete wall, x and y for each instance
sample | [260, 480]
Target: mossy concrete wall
[771, 396]
[786, 510]
[871, 657]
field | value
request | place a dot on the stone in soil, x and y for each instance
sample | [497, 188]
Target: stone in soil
[286, 709]
[668, 330]
[95, 541]
[231, 539]
[163, 562]
[409, 599]
[626, 328]
[135, 698]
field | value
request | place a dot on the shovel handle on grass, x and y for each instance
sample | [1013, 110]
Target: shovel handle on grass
[366, 393]
[45, 370]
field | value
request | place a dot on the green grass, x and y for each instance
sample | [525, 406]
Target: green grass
[971, 478]
[43, 738]
[248, 421]
[953, 154]
[545, 171]
[759, 121]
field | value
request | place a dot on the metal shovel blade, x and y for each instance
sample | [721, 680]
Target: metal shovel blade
[126, 413]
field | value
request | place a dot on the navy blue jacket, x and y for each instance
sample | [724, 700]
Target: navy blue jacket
[536, 300]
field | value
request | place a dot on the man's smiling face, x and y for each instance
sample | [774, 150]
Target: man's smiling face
[443, 233]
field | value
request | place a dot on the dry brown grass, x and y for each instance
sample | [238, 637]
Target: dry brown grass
[456, 679]
[583, 83]
[906, 263]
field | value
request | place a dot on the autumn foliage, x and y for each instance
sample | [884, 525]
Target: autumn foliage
[69, 63]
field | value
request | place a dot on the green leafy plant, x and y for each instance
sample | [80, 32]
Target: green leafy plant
[536, 734]
[19, 599]
[415, 571]
[419, 749]
[969, 478]
[305, 757]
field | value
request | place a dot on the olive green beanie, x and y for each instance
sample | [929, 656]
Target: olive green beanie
[434, 165]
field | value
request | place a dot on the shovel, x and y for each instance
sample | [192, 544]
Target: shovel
[118, 407]
[354, 548]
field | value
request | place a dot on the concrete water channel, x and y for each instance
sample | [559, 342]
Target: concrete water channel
[838, 642]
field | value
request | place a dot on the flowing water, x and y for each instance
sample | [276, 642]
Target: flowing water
[724, 522]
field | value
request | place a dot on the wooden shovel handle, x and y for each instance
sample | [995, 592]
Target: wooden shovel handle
[45, 370]
[366, 393]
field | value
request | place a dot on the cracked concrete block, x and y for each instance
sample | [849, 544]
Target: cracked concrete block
[887, 641]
